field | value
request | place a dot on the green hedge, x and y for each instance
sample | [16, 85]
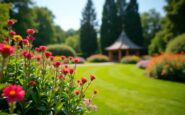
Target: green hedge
[60, 49]
[98, 58]
[130, 59]
[177, 45]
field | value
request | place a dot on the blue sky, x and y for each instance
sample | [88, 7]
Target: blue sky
[68, 12]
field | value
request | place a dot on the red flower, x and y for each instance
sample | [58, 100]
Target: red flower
[27, 54]
[47, 54]
[10, 22]
[13, 93]
[83, 80]
[70, 58]
[5, 39]
[38, 58]
[30, 31]
[77, 92]
[30, 38]
[92, 77]
[37, 49]
[42, 48]
[6, 50]
[51, 58]
[25, 41]
[32, 83]
[95, 92]
[63, 57]
[12, 33]
[66, 66]
[76, 60]
[61, 76]
[65, 71]
[71, 70]
[56, 64]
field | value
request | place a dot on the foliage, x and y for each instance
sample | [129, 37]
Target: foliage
[61, 49]
[46, 28]
[73, 41]
[110, 28]
[177, 45]
[172, 25]
[130, 59]
[98, 58]
[21, 10]
[132, 25]
[143, 64]
[34, 83]
[168, 67]
[60, 34]
[88, 37]
[4, 15]
[151, 25]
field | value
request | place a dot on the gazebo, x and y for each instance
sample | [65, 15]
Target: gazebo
[123, 46]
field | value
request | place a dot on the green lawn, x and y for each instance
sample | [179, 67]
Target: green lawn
[124, 90]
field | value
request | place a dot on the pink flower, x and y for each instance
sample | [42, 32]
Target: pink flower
[65, 71]
[13, 93]
[63, 57]
[42, 48]
[30, 31]
[38, 58]
[71, 70]
[76, 60]
[51, 58]
[12, 33]
[6, 50]
[30, 38]
[47, 54]
[37, 49]
[61, 76]
[56, 64]
[25, 41]
[92, 77]
[27, 54]
[70, 58]
[10, 22]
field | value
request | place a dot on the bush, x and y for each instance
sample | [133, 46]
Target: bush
[177, 45]
[143, 64]
[58, 49]
[168, 66]
[130, 59]
[98, 58]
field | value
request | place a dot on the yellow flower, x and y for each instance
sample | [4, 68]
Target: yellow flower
[17, 38]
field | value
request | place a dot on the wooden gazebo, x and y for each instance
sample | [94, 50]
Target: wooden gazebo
[123, 46]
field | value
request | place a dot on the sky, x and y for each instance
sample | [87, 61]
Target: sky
[68, 12]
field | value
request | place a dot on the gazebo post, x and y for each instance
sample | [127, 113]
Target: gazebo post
[119, 54]
[127, 52]
[110, 55]
[137, 52]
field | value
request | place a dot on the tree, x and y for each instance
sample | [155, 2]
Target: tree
[151, 25]
[60, 35]
[4, 16]
[22, 12]
[110, 28]
[46, 28]
[121, 7]
[73, 41]
[172, 25]
[133, 26]
[88, 37]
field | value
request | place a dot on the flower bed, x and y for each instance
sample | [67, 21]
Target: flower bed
[38, 83]
[168, 66]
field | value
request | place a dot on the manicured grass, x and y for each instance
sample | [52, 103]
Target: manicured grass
[124, 90]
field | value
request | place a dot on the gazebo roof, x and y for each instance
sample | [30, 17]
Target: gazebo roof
[123, 42]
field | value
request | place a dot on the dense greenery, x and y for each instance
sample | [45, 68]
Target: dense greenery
[109, 30]
[123, 89]
[151, 25]
[59, 49]
[132, 24]
[4, 16]
[172, 25]
[88, 37]
[177, 45]
[74, 42]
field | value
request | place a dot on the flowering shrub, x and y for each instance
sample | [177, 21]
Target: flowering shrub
[130, 59]
[143, 64]
[168, 66]
[98, 58]
[35, 82]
